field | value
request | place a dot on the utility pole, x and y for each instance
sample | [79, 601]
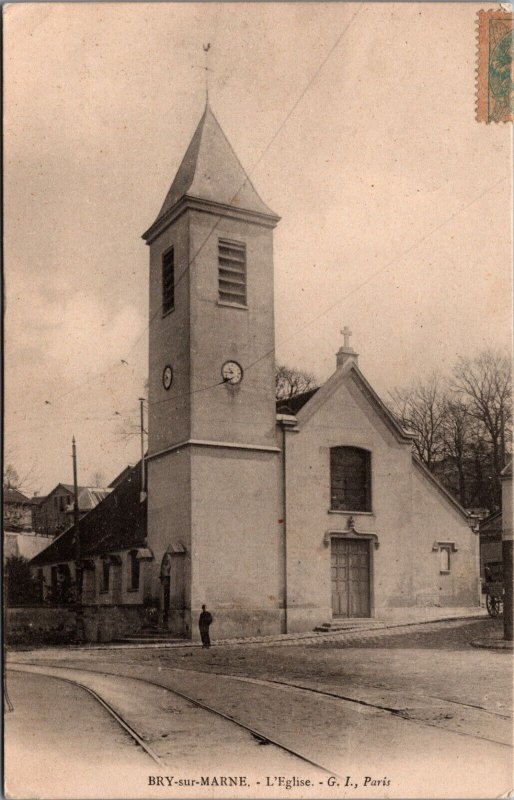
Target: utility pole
[79, 611]
[142, 495]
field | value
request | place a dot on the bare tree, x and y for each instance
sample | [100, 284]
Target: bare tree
[290, 382]
[421, 408]
[12, 479]
[459, 434]
[98, 479]
[484, 386]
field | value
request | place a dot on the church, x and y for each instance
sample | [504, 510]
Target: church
[280, 518]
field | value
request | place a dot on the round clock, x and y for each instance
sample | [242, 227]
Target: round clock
[232, 372]
[167, 376]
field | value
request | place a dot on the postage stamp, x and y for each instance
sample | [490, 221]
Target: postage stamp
[495, 84]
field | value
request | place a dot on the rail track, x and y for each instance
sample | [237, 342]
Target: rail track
[138, 739]
[398, 712]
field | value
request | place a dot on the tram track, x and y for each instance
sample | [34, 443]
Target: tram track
[350, 699]
[396, 711]
[122, 722]
[261, 737]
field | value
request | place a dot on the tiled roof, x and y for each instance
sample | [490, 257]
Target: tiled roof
[15, 496]
[492, 523]
[294, 404]
[210, 170]
[118, 522]
[90, 497]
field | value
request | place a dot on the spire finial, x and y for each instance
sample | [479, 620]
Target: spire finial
[346, 333]
[206, 48]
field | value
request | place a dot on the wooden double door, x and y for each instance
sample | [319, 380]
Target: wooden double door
[350, 568]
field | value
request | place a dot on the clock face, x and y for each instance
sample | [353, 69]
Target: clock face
[232, 372]
[167, 377]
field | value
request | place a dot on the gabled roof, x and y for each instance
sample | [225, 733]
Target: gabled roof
[305, 405]
[15, 496]
[119, 478]
[210, 170]
[68, 487]
[90, 497]
[311, 401]
[117, 523]
[293, 404]
[491, 523]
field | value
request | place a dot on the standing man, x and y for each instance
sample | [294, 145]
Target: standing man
[204, 623]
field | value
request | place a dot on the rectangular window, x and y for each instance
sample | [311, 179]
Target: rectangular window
[444, 558]
[168, 282]
[350, 479]
[134, 571]
[232, 272]
[105, 575]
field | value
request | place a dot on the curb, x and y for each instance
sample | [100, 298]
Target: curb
[493, 644]
[281, 639]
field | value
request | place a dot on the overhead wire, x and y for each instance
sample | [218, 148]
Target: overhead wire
[219, 217]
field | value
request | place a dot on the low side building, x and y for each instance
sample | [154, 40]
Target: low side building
[115, 587]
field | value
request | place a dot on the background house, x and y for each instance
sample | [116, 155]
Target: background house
[54, 513]
[17, 510]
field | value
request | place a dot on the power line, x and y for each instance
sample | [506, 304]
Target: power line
[368, 280]
[327, 310]
[220, 217]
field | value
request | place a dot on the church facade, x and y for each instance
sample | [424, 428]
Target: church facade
[276, 522]
[278, 518]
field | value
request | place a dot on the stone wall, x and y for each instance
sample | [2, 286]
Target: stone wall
[35, 626]
[39, 626]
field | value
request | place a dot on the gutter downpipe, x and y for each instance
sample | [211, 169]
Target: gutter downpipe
[286, 422]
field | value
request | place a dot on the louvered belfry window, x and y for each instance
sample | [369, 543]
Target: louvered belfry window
[232, 272]
[350, 479]
[168, 282]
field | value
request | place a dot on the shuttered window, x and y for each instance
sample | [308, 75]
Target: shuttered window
[168, 282]
[350, 479]
[232, 272]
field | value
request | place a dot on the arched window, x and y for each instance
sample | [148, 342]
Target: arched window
[350, 479]
[134, 564]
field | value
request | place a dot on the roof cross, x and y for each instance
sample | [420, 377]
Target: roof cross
[346, 333]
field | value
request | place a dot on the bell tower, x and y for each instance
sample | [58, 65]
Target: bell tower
[213, 467]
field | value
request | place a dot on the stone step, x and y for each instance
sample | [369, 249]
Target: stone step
[146, 640]
[347, 625]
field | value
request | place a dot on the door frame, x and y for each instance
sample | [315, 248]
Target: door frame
[371, 538]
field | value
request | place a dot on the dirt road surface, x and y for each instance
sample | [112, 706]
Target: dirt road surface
[413, 714]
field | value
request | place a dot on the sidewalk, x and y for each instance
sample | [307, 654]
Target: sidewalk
[359, 629]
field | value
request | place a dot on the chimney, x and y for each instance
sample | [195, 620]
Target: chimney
[346, 352]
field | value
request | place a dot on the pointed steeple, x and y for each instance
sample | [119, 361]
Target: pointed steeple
[211, 171]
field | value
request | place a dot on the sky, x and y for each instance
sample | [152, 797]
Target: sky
[356, 123]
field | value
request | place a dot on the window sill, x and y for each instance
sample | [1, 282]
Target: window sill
[445, 572]
[352, 513]
[167, 313]
[134, 591]
[232, 305]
